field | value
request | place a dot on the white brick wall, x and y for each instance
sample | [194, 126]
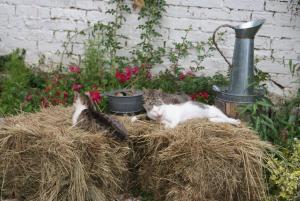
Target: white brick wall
[41, 26]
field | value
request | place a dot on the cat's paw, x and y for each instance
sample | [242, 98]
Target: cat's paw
[168, 125]
[236, 121]
[133, 119]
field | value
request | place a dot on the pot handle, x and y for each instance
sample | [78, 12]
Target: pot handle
[216, 45]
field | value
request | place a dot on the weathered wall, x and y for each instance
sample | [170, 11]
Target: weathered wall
[41, 27]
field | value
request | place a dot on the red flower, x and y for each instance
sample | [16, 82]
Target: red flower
[77, 87]
[28, 98]
[128, 72]
[193, 96]
[95, 96]
[74, 69]
[120, 76]
[203, 94]
[65, 95]
[135, 70]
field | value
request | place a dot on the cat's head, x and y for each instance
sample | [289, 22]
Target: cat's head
[152, 97]
[155, 113]
[81, 100]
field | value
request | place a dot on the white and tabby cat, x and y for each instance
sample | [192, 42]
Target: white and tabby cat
[172, 114]
[87, 118]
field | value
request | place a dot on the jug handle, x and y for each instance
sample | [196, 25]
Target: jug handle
[216, 45]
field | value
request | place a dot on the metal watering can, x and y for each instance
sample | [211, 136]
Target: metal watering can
[240, 89]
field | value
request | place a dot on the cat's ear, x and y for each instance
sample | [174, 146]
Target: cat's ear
[146, 91]
[87, 94]
[89, 102]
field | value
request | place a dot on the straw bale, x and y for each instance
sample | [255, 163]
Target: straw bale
[199, 160]
[44, 158]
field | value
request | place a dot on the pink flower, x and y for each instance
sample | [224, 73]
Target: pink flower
[181, 76]
[95, 96]
[135, 70]
[74, 69]
[190, 74]
[77, 87]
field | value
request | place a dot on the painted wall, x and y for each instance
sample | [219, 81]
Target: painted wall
[41, 27]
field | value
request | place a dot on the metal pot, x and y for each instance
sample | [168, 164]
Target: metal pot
[125, 104]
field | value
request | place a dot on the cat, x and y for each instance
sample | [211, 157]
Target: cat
[86, 117]
[172, 114]
[158, 97]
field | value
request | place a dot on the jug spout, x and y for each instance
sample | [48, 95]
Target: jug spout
[249, 29]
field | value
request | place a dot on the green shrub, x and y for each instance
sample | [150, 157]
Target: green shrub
[285, 174]
[279, 124]
[18, 82]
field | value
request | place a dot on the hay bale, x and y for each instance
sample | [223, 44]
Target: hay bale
[44, 158]
[199, 160]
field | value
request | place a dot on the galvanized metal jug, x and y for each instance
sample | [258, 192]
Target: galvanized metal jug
[240, 89]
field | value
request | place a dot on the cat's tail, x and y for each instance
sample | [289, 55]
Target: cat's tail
[119, 132]
[115, 127]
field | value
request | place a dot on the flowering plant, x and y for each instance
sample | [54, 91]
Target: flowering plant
[200, 96]
[128, 73]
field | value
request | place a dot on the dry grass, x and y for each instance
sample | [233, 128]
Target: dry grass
[44, 158]
[199, 160]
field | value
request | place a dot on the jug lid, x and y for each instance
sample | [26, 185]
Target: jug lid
[248, 29]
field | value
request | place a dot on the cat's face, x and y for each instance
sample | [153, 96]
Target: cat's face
[80, 100]
[155, 113]
[152, 97]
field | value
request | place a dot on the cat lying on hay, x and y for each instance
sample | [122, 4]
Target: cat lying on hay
[172, 109]
[198, 160]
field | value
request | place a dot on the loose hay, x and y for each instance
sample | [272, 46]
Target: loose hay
[199, 161]
[44, 158]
